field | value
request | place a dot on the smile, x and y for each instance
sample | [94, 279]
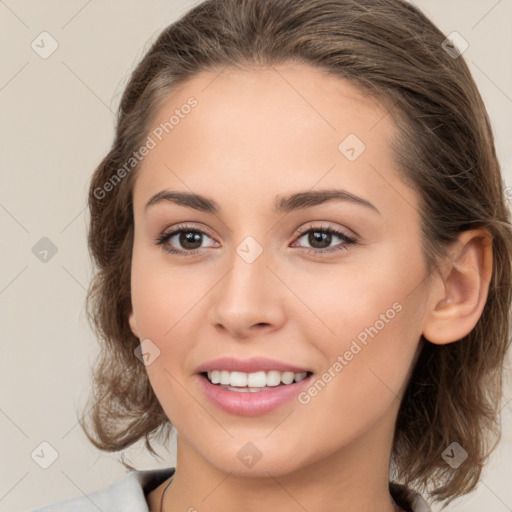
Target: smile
[252, 394]
[253, 382]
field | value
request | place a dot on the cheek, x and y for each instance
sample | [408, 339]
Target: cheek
[367, 324]
[165, 304]
[163, 316]
[366, 368]
[351, 301]
[161, 296]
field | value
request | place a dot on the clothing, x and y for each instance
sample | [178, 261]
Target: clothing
[126, 495]
[129, 495]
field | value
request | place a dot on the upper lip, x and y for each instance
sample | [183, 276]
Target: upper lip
[252, 365]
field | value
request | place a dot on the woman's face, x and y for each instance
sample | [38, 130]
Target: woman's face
[281, 156]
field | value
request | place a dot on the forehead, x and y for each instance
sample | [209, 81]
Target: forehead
[264, 129]
[278, 97]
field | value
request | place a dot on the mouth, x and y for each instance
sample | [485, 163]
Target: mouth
[254, 382]
[251, 387]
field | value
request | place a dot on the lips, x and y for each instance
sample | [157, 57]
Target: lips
[241, 398]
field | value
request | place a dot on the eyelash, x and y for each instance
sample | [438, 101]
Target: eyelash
[164, 237]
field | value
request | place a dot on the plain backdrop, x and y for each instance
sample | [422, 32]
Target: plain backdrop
[57, 119]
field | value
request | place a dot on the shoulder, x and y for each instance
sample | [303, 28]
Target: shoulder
[408, 498]
[128, 494]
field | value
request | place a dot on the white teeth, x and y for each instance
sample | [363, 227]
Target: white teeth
[255, 381]
[238, 379]
[273, 378]
[287, 377]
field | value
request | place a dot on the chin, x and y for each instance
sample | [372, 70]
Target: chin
[258, 458]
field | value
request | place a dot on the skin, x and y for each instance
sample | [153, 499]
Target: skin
[256, 134]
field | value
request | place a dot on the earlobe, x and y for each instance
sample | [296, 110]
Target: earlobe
[459, 295]
[133, 323]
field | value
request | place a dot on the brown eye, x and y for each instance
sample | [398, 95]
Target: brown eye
[183, 240]
[189, 239]
[321, 238]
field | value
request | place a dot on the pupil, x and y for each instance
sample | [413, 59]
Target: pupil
[188, 238]
[318, 236]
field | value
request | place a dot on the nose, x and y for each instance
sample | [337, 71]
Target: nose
[249, 300]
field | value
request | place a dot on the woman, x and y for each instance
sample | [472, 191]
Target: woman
[303, 264]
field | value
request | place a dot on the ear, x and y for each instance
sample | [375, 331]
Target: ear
[459, 295]
[133, 323]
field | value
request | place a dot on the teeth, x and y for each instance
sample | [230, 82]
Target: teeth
[273, 378]
[238, 379]
[287, 377]
[253, 382]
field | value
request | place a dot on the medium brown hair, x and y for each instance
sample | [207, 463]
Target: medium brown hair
[445, 152]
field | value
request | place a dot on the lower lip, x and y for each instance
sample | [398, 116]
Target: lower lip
[251, 403]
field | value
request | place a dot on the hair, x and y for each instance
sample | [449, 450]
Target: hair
[445, 152]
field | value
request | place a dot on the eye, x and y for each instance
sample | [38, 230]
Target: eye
[320, 238]
[184, 240]
[190, 239]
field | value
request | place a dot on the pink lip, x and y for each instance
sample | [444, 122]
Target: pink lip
[252, 365]
[249, 403]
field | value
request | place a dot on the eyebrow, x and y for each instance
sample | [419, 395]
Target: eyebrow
[296, 201]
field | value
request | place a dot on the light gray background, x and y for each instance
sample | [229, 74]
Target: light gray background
[57, 118]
